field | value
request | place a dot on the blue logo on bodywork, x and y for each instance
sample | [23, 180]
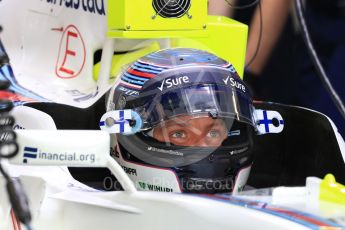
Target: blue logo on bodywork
[29, 153]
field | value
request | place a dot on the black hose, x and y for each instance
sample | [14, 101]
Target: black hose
[9, 149]
[317, 63]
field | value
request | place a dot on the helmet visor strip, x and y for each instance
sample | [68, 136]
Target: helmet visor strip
[203, 91]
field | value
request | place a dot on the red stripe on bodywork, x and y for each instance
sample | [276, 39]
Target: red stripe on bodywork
[141, 74]
[14, 97]
[300, 217]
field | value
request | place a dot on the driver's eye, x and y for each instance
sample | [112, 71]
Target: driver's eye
[178, 134]
[213, 134]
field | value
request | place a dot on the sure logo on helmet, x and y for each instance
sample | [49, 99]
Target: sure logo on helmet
[234, 83]
[170, 82]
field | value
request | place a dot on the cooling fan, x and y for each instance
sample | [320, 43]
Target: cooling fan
[157, 15]
[171, 8]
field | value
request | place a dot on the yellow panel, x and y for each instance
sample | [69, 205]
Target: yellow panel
[143, 34]
[226, 38]
[140, 15]
[331, 191]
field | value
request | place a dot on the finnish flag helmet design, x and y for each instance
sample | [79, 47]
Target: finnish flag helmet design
[196, 126]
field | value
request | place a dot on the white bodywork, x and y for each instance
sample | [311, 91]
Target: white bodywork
[51, 44]
[57, 201]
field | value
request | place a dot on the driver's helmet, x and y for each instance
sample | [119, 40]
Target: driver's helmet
[196, 123]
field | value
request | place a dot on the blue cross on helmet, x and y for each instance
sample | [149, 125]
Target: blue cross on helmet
[190, 123]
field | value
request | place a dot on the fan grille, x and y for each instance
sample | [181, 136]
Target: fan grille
[171, 8]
